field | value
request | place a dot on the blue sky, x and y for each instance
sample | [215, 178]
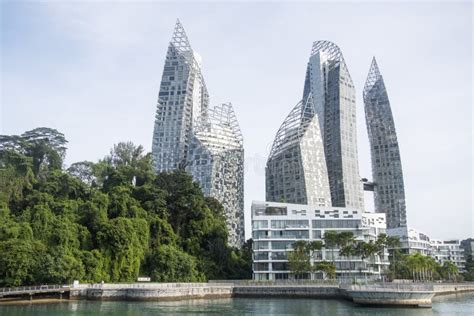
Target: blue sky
[92, 70]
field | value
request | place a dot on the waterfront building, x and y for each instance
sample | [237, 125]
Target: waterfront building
[414, 241]
[296, 167]
[182, 99]
[216, 162]
[468, 246]
[388, 186]
[205, 142]
[411, 240]
[330, 85]
[276, 226]
[448, 250]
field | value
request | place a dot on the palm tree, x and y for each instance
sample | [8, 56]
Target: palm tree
[348, 251]
[451, 269]
[393, 242]
[345, 240]
[330, 241]
[365, 250]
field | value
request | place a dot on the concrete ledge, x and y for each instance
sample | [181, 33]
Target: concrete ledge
[152, 292]
[378, 294]
[308, 291]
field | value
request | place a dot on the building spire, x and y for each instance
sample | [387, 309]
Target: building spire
[373, 76]
[180, 39]
[374, 68]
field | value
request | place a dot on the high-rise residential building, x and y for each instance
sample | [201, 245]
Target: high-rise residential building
[277, 226]
[205, 142]
[216, 161]
[182, 99]
[296, 168]
[389, 190]
[330, 84]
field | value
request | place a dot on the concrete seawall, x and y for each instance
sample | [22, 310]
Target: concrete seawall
[442, 289]
[303, 291]
[151, 291]
[380, 294]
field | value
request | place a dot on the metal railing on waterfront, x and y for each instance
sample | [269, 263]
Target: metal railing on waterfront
[32, 288]
[111, 286]
[277, 282]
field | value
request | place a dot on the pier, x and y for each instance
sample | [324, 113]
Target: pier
[30, 292]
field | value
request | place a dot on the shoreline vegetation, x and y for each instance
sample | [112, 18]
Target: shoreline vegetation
[108, 221]
[116, 220]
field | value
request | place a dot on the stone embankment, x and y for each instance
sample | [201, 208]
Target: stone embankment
[150, 291]
[376, 294]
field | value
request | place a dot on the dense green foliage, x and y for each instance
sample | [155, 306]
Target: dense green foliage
[419, 267]
[107, 221]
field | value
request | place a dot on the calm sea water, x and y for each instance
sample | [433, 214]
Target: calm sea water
[460, 304]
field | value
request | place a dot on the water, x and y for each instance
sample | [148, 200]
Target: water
[459, 304]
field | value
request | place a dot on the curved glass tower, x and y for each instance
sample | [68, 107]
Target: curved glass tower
[296, 168]
[216, 161]
[330, 84]
[182, 99]
[389, 190]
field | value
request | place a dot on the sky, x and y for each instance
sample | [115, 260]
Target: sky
[92, 70]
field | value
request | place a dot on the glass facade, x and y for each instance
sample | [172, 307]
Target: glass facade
[274, 237]
[182, 99]
[330, 86]
[296, 169]
[205, 142]
[216, 161]
[389, 189]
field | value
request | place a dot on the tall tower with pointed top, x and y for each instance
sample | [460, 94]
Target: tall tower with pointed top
[216, 161]
[296, 168]
[329, 83]
[389, 190]
[182, 99]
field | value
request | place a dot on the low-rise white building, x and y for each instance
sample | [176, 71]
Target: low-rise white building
[412, 241]
[448, 250]
[276, 226]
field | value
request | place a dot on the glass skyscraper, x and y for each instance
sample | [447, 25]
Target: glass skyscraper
[182, 99]
[216, 161]
[296, 168]
[329, 83]
[389, 190]
[189, 136]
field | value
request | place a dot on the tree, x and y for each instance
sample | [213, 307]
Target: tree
[330, 241]
[328, 269]
[106, 221]
[17, 262]
[169, 264]
[365, 250]
[345, 240]
[450, 270]
[83, 170]
[16, 175]
[123, 241]
[46, 146]
[299, 259]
